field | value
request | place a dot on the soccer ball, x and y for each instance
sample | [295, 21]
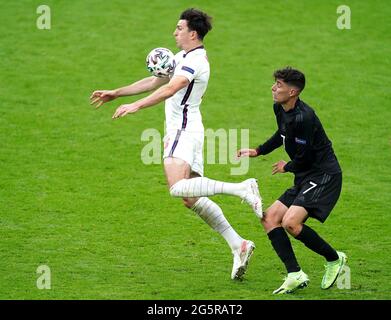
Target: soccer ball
[160, 62]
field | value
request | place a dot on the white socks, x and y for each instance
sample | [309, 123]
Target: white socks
[203, 187]
[209, 211]
[212, 214]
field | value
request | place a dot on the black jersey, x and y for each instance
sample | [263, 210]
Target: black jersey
[305, 141]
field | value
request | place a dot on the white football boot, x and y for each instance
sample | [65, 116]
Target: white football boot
[252, 197]
[241, 259]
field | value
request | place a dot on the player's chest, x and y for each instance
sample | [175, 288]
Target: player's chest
[287, 125]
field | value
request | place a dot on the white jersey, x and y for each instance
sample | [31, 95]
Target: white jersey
[183, 108]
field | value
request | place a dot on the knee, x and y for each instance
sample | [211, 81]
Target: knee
[271, 219]
[176, 188]
[291, 226]
[189, 202]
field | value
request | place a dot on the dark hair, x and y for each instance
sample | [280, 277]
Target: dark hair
[291, 76]
[197, 21]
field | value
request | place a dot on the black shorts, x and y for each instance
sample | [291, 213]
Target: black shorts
[318, 194]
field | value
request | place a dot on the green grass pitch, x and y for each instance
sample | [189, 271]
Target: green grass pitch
[75, 195]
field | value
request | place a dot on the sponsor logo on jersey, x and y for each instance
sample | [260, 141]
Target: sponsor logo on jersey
[188, 69]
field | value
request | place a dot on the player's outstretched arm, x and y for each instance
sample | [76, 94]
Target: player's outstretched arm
[247, 153]
[144, 85]
[161, 94]
[100, 97]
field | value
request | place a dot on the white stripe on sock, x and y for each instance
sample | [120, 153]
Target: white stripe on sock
[204, 187]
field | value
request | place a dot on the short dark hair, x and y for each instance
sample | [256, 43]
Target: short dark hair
[197, 21]
[291, 76]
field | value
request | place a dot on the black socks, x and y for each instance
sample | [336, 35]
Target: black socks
[314, 242]
[283, 247]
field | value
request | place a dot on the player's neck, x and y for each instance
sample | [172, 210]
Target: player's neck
[192, 46]
[290, 104]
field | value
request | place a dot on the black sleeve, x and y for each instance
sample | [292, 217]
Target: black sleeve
[273, 143]
[303, 139]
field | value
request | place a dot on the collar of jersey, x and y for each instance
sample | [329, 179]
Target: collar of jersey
[295, 107]
[185, 54]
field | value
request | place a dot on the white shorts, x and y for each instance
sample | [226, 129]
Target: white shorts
[186, 146]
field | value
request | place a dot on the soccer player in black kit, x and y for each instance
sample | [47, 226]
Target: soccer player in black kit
[317, 182]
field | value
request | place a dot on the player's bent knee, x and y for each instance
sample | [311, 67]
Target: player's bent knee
[176, 188]
[290, 225]
[271, 217]
[189, 202]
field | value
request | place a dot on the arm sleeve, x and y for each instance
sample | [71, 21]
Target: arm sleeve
[189, 69]
[273, 143]
[303, 157]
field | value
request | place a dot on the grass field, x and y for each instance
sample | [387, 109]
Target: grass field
[75, 195]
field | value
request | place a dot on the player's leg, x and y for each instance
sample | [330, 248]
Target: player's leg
[320, 199]
[189, 147]
[212, 214]
[175, 170]
[241, 255]
[293, 223]
[273, 216]
[182, 156]
[281, 244]
[279, 239]
[203, 187]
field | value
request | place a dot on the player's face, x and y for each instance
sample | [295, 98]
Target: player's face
[282, 92]
[182, 34]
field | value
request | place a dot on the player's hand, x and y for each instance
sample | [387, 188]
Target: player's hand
[102, 96]
[246, 153]
[125, 109]
[278, 167]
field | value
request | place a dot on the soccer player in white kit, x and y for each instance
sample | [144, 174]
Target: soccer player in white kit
[183, 143]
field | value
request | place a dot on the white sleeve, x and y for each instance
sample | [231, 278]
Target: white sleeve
[190, 68]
